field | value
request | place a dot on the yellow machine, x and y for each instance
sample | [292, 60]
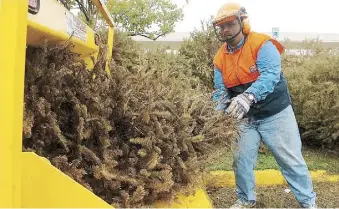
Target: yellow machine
[26, 179]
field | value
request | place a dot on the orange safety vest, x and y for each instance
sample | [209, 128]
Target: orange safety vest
[240, 67]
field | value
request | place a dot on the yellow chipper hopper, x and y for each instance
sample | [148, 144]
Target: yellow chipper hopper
[26, 179]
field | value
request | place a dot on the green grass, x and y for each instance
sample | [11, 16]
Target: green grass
[315, 159]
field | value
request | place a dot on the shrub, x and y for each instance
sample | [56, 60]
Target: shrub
[314, 86]
[199, 51]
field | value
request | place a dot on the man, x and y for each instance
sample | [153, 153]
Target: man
[250, 86]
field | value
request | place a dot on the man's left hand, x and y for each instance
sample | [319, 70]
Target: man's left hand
[239, 106]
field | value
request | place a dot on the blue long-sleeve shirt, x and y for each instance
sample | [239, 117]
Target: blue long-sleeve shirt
[269, 67]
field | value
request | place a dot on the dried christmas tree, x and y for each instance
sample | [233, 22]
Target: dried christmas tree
[139, 135]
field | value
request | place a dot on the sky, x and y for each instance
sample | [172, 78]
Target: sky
[288, 15]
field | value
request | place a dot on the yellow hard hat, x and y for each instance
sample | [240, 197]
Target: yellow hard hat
[231, 11]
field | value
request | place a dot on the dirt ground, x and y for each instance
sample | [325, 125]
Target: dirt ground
[276, 197]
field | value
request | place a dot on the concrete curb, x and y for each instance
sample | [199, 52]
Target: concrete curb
[218, 179]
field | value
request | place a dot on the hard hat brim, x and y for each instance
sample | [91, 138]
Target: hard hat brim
[224, 20]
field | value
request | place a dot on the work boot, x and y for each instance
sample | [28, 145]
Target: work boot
[243, 204]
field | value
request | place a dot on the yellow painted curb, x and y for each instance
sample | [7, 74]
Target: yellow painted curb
[199, 199]
[262, 178]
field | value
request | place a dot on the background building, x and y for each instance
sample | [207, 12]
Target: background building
[290, 40]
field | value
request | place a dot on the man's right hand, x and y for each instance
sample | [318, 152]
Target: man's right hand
[239, 106]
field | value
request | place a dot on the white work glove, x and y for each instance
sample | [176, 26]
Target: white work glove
[240, 105]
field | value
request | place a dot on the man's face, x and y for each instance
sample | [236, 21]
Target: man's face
[229, 29]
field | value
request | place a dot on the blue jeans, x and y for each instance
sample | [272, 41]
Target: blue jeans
[281, 135]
